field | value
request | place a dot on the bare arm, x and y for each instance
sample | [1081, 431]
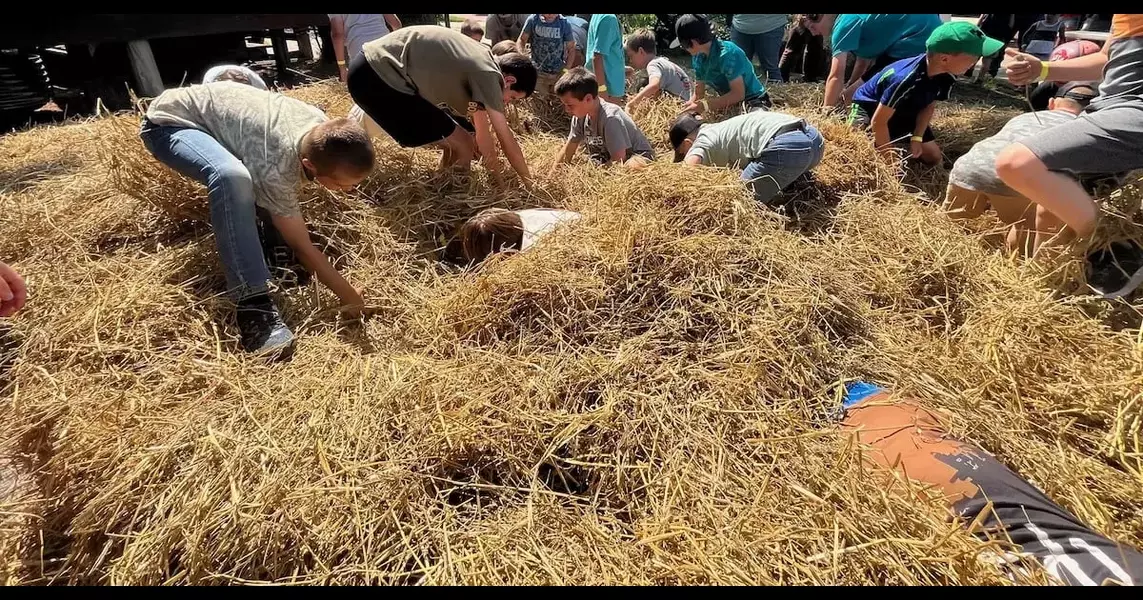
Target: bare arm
[651, 91]
[569, 54]
[485, 143]
[508, 143]
[860, 67]
[881, 127]
[699, 92]
[567, 152]
[393, 21]
[835, 85]
[619, 157]
[13, 291]
[337, 32]
[924, 118]
[693, 160]
[736, 95]
[1026, 68]
[294, 232]
[522, 43]
[601, 77]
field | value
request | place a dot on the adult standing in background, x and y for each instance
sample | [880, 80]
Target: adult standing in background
[876, 40]
[350, 32]
[761, 36]
[504, 27]
[805, 52]
[579, 33]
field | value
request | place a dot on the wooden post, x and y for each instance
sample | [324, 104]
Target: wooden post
[305, 43]
[281, 51]
[143, 67]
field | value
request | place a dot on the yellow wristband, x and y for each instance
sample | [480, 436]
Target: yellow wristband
[1044, 71]
[917, 138]
[341, 63]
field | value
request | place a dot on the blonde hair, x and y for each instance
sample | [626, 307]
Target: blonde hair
[492, 231]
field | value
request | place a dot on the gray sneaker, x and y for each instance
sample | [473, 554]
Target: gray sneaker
[262, 331]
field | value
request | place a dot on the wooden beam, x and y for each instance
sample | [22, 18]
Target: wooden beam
[305, 43]
[281, 51]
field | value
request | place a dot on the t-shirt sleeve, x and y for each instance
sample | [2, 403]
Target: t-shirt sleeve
[487, 90]
[737, 67]
[567, 32]
[699, 152]
[604, 34]
[529, 26]
[280, 199]
[577, 126]
[654, 71]
[846, 34]
[615, 136]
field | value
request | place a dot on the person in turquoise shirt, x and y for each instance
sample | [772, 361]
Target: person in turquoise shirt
[876, 40]
[720, 64]
[605, 57]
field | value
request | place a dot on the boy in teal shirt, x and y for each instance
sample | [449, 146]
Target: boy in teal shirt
[605, 57]
[877, 40]
[720, 64]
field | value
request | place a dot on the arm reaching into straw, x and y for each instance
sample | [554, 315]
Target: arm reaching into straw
[294, 232]
[13, 291]
[508, 143]
[881, 139]
[565, 155]
[916, 145]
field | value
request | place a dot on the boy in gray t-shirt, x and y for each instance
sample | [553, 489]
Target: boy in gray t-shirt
[974, 185]
[605, 128]
[662, 74]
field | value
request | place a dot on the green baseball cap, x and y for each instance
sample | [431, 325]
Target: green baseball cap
[962, 37]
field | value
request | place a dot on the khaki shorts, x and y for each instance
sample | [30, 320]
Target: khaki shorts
[966, 203]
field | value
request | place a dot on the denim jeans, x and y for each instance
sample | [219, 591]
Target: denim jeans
[785, 159]
[766, 46]
[233, 217]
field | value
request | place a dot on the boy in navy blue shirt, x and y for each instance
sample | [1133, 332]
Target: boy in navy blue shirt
[897, 104]
[552, 47]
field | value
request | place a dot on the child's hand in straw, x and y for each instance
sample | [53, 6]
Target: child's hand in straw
[353, 305]
[1024, 68]
[13, 292]
[915, 149]
[694, 107]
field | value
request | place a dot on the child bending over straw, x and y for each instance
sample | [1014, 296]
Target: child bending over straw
[772, 149]
[607, 130]
[251, 149]
[497, 230]
[663, 76]
[898, 103]
[900, 435]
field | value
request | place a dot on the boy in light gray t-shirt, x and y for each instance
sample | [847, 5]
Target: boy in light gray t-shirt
[605, 128]
[662, 74]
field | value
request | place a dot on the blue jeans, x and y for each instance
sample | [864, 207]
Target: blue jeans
[766, 46]
[785, 159]
[233, 217]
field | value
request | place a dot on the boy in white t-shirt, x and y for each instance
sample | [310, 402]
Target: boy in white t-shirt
[497, 230]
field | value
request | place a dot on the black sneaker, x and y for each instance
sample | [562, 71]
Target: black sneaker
[261, 328]
[1116, 271]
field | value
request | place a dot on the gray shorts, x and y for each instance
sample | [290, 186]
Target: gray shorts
[1109, 140]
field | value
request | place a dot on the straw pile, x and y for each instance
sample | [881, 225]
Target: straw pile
[644, 398]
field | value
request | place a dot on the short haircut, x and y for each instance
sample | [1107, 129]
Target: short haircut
[341, 145]
[471, 27]
[235, 75]
[494, 230]
[579, 82]
[642, 39]
[520, 67]
[504, 47]
[692, 28]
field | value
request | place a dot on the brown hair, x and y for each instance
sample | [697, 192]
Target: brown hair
[491, 231]
[579, 82]
[642, 39]
[339, 144]
[505, 47]
[471, 26]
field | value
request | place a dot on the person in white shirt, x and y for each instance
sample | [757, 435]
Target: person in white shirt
[234, 73]
[497, 230]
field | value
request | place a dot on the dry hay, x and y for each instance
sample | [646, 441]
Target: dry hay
[642, 399]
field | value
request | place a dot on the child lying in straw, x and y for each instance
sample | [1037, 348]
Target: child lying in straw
[610, 134]
[900, 435]
[251, 149]
[772, 149]
[498, 230]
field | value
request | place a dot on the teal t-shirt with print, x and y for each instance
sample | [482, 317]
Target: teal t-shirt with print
[605, 37]
[725, 63]
[870, 36]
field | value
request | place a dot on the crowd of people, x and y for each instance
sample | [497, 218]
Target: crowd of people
[434, 86]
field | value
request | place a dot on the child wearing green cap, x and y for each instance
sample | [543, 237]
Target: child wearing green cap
[897, 104]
